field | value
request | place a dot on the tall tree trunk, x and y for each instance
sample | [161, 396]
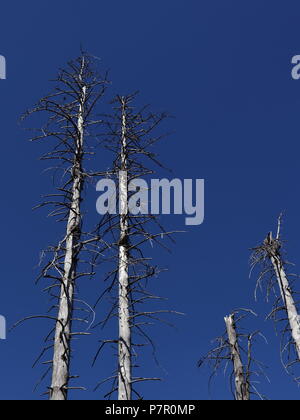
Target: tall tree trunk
[62, 343]
[242, 392]
[131, 136]
[124, 386]
[71, 118]
[286, 294]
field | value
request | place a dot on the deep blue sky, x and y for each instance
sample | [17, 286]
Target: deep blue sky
[222, 67]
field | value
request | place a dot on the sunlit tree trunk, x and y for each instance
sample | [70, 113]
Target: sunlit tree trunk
[71, 111]
[241, 386]
[61, 359]
[124, 388]
[131, 135]
[286, 293]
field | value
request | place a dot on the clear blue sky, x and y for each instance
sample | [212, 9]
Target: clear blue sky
[223, 69]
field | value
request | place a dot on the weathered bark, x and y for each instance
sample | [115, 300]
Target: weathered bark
[286, 294]
[62, 342]
[124, 386]
[71, 123]
[131, 136]
[242, 392]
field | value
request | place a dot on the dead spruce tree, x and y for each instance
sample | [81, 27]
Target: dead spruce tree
[130, 138]
[269, 256]
[70, 123]
[235, 347]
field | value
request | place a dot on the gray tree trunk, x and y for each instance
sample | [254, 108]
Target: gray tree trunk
[242, 392]
[124, 386]
[288, 300]
[62, 350]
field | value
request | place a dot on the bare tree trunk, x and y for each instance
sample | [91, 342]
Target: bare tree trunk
[287, 295]
[71, 121]
[124, 388]
[62, 350]
[130, 137]
[241, 386]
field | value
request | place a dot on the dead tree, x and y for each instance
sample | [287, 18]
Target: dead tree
[236, 347]
[70, 111]
[130, 136]
[242, 386]
[124, 387]
[274, 270]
